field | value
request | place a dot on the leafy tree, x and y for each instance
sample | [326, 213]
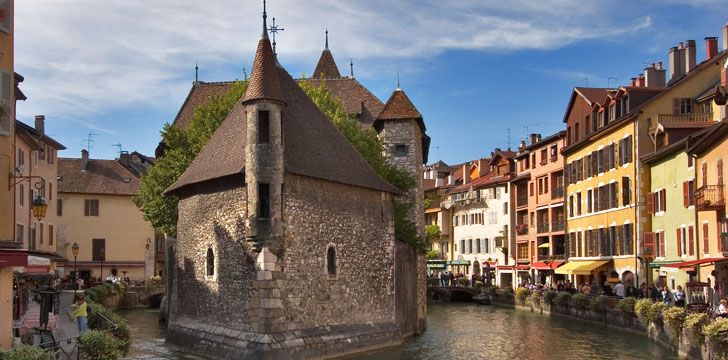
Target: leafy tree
[183, 145]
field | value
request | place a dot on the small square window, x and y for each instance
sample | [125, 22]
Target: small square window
[400, 150]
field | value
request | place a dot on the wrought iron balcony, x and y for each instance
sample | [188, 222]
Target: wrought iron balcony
[557, 225]
[710, 197]
[522, 229]
[542, 227]
[557, 192]
[522, 200]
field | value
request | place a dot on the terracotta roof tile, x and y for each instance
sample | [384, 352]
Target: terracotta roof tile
[264, 84]
[200, 94]
[100, 177]
[326, 67]
[592, 95]
[398, 107]
[354, 97]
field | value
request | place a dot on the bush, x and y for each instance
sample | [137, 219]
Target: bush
[627, 305]
[433, 281]
[674, 318]
[25, 352]
[521, 294]
[599, 304]
[99, 345]
[694, 324]
[430, 255]
[479, 286]
[548, 296]
[123, 329]
[536, 298]
[655, 313]
[563, 298]
[717, 334]
[642, 309]
[508, 290]
[580, 301]
[463, 281]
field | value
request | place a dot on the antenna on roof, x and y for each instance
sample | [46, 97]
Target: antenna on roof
[509, 137]
[351, 65]
[89, 140]
[398, 88]
[528, 127]
[609, 78]
[196, 82]
[119, 146]
[327, 39]
[437, 151]
[274, 29]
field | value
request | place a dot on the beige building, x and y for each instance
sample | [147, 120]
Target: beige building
[95, 211]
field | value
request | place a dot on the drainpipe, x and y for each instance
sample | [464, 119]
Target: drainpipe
[698, 227]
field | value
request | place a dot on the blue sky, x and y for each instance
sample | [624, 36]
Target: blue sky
[473, 68]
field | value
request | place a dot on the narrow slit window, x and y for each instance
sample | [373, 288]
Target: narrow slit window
[210, 262]
[264, 200]
[263, 127]
[331, 260]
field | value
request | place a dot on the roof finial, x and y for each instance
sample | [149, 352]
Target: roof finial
[265, 25]
[196, 82]
[351, 65]
[398, 82]
[274, 29]
[327, 39]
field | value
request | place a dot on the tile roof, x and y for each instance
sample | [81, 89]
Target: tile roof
[264, 84]
[354, 98]
[312, 145]
[398, 107]
[100, 177]
[34, 136]
[592, 95]
[485, 180]
[326, 67]
[200, 94]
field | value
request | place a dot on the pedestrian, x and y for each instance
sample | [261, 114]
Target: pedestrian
[643, 292]
[619, 290]
[679, 296]
[655, 292]
[443, 279]
[666, 296]
[607, 289]
[723, 308]
[631, 291]
[451, 277]
[79, 313]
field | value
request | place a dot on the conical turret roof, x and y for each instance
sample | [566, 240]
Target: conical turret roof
[399, 107]
[264, 83]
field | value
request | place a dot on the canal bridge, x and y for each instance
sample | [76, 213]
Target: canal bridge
[451, 293]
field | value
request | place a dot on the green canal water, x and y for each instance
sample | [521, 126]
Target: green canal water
[462, 331]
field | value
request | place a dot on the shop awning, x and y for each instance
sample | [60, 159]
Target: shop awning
[521, 267]
[691, 263]
[584, 267]
[459, 262]
[657, 264]
[12, 257]
[539, 265]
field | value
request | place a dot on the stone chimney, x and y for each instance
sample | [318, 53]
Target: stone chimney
[655, 76]
[534, 138]
[84, 159]
[633, 82]
[690, 54]
[711, 47]
[521, 146]
[641, 81]
[40, 124]
[725, 37]
[125, 158]
[724, 74]
[676, 67]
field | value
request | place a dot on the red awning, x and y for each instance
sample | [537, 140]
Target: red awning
[505, 267]
[11, 257]
[539, 265]
[522, 267]
[690, 263]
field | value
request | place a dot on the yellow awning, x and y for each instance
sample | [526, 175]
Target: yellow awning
[584, 267]
[544, 245]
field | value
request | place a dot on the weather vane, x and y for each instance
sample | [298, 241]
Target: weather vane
[274, 29]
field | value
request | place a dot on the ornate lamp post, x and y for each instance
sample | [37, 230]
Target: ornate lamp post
[74, 250]
[39, 207]
[550, 263]
[102, 252]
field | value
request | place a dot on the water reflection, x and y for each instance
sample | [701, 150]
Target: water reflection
[462, 331]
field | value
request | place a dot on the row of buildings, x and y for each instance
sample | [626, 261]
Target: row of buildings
[49, 204]
[632, 190]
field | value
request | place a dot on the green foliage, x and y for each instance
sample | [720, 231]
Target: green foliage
[433, 281]
[123, 331]
[428, 202]
[432, 255]
[717, 334]
[580, 301]
[627, 305]
[25, 352]
[674, 318]
[599, 304]
[404, 229]
[100, 292]
[155, 280]
[655, 312]
[183, 146]
[521, 294]
[536, 298]
[694, 324]
[642, 309]
[508, 290]
[563, 298]
[99, 345]
[549, 296]
[432, 231]
[463, 281]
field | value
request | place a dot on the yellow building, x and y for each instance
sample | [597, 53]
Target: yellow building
[607, 191]
[95, 211]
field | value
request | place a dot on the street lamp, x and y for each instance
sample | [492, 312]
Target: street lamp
[102, 252]
[550, 263]
[74, 250]
[487, 269]
[39, 208]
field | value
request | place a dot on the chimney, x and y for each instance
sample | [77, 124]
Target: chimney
[654, 77]
[466, 173]
[84, 159]
[40, 124]
[124, 158]
[641, 81]
[711, 47]
[675, 64]
[689, 59]
[521, 146]
[725, 37]
[633, 82]
[724, 75]
[534, 138]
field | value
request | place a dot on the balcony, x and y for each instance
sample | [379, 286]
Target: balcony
[669, 119]
[542, 227]
[522, 229]
[710, 197]
[522, 200]
[557, 192]
[557, 225]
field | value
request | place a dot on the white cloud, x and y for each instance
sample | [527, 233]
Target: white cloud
[90, 59]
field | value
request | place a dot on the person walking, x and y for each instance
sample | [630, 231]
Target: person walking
[666, 296]
[619, 290]
[679, 296]
[79, 313]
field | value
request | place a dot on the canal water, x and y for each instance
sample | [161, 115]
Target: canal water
[462, 331]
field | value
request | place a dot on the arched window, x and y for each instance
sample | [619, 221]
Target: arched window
[210, 262]
[331, 260]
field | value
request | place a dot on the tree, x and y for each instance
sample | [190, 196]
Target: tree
[183, 145]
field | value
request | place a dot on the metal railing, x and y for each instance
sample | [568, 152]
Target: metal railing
[542, 227]
[522, 200]
[709, 196]
[521, 229]
[557, 225]
[557, 192]
[69, 349]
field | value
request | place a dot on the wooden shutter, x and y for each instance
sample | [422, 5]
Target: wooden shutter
[649, 243]
[686, 201]
[663, 200]
[651, 203]
[691, 247]
[679, 249]
[676, 106]
[705, 238]
[662, 243]
[567, 178]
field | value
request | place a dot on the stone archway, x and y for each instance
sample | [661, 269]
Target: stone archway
[628, 278]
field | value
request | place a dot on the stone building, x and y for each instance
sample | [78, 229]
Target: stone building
[285, 241]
